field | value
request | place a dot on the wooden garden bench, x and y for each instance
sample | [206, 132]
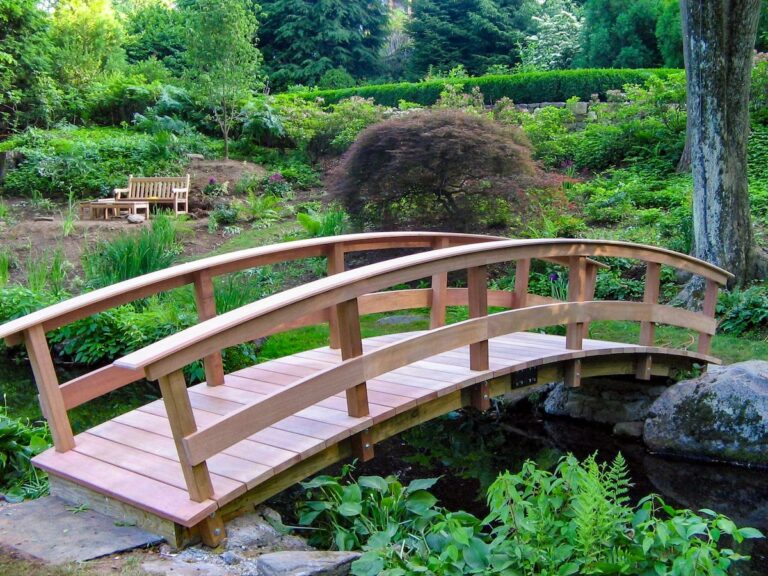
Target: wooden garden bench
[171, 190]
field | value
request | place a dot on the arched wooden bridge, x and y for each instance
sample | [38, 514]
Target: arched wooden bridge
[183, 465]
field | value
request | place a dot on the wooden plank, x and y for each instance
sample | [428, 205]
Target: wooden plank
[182, 421]
[206, 309]
[156, 497]
[395, 300]
[647, 329]
[522, 276]
[351, 343]
[335, 265]
[51, 398]
[708, 309]
[84, 388]
[439, 291]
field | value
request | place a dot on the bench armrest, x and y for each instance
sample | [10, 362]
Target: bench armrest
[119, 191]
[180, 191]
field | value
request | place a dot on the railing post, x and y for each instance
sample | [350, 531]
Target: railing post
[51, 399]
[206, 309]
[439, 290]
[335, 266]
[522, 276]
[648, 329]
[351, 342]
[708, 309]
[477, 295]
[574, 336]
[182, 420]
[589, 290]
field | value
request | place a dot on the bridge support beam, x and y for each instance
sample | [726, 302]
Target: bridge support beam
[335, 266]
[648, 329]
[477, 294]
[577, 288]
[439, 291]
[206, 309]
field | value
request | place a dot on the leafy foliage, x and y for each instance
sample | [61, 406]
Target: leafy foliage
[305, 41]
[575, 520]
[439, 169]
[19, 443]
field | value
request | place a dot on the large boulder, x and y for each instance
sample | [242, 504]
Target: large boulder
[722, 415]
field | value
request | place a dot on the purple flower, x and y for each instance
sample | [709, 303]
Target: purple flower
[212, 180]
[554, 277]
[276, 177]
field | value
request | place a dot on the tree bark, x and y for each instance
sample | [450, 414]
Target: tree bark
[719, 38]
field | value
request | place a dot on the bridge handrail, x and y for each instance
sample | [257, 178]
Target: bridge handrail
[252, 418]
[89, 303]
[249, 321]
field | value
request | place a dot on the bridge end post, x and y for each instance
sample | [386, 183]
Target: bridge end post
[173, 387]
[708, 309]
[51, 398]
[439, 291]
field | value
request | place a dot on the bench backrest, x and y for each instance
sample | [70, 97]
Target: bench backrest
[155, 187]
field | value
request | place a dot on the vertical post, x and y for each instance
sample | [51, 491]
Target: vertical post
[51, 399]
[439, 290]
[522, 275]
[351, 342]
[589, 291]
[708, 309]
[206, 309]
[335, 266]
[648, 329]
[182, 421]
[477, 294]
[574, 336]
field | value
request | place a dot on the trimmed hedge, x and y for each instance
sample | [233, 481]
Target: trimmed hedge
[526, 87]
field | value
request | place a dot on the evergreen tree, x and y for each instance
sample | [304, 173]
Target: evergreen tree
[669, 33]
[155, 29]
[619, 34]
[474, 33]
[303, 39]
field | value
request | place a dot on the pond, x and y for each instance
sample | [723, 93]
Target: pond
[468, 450]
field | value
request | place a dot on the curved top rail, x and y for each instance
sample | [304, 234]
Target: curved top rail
[90, 303]
[246, 322]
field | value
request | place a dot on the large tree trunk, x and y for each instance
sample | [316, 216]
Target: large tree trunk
[719, 41]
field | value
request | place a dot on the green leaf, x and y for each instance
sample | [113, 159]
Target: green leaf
[350, 508]
[751, 533]
[422, 484]
[374, 482]
[476, 554]
[369, 564]
[420, 501]
[567, 569]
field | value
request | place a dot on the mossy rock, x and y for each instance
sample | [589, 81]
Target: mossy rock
[722, 415]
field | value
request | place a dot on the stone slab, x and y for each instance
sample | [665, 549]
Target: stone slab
[300, 563]
[49, 529]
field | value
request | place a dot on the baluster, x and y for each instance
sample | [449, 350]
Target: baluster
[351, 343]
[51, 399]
[182, 421]
[522, 275]
[589, 291]
[439, 290]
[206, 309]
[648, 329]
[574, 336]
[708, 309]
[335, 266]
[477, 294]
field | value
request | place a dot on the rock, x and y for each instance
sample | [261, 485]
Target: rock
[256, 533]
[230, 558]
[592, 115]
[135, 218]
[195, 156]
[181, 568]
[580, 108]
[43, 218]
[629, 429]
[721, 415]
[605, 400]
[316, 563]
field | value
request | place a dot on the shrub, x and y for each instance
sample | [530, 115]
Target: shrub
[526, 87]
[434, 169]
[329, 222]
[132, 254]
[743, 311]
[575, 520]
[19, 443]
[336, 78]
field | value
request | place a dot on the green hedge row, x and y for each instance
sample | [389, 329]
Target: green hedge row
[526, 87]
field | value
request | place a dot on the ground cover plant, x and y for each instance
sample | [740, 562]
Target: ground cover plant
[576, 519]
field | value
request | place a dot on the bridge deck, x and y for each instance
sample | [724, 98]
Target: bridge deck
[133, 458]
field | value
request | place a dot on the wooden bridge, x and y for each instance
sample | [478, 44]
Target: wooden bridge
[183, 465]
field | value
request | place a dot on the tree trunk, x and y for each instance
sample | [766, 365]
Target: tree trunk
[718, 43]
